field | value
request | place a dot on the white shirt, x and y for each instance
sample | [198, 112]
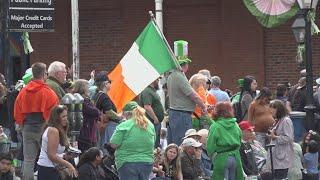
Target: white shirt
[43, 157]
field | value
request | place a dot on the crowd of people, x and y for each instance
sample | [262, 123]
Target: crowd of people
[201, 132]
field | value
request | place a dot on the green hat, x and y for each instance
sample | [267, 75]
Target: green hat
[27, 76]
[181, 51]
[240, 82]
[130, 106]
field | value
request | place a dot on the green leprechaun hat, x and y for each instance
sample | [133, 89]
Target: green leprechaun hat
[27, 76]
[181, 51]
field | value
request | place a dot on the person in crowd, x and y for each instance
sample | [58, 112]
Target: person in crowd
[282, 136]
[298, 100]
[191, 159]
[163, 139]
[88, 132]
[3, 136]
[206, 163]
[171, 163]
[281, 94]
[294, 88]
[182, 97]
[310, 135]
[92, 86]
[260, 115]
[207, 74]
[224, 141]
[134, 158]
[216, 91]
[295, 171]
[106, 106]
[3, 100]
[247, 95]
[198, 83]
[31, 109]
[3, 89]
[53, 145]
[88, 164]
[247, 154]
[151, 102]
[311, 161]
[57, 77]
[6, 167]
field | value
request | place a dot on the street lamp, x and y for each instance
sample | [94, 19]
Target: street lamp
[302, 32]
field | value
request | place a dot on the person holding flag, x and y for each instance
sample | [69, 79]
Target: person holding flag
[149, 57]
[182, 97]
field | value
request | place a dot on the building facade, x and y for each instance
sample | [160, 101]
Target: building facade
[223, 38]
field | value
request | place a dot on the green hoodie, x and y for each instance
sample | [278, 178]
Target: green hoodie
[224, 140]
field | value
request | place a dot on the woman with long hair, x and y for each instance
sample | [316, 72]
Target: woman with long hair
[88, 131]
[134, 140]
[260, 115]
[282, 136]
[223, 144]
[103, 102]
[247, 95]
[88, 164]
[54, 143]
[171, 163]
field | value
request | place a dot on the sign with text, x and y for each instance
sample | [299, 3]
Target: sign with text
[31, 15]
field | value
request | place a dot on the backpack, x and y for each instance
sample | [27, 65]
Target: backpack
[236, 105]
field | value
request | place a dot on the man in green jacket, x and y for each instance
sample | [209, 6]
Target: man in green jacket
[57, 76]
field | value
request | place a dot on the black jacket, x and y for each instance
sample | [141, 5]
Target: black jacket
[248, 159]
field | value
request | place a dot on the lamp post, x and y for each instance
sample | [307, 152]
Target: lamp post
[302, 32]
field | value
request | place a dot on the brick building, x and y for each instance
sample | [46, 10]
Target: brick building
[223, 37]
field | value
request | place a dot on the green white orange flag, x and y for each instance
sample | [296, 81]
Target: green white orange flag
[146, 60]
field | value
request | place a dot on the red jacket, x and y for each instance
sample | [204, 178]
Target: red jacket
[35, 97]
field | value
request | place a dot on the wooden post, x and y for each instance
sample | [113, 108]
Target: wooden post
[75, 39]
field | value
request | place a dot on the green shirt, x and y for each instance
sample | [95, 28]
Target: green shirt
[179, 91]
[134, 144]
[149, 96]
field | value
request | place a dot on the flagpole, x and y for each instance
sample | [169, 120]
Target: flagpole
[165, 40]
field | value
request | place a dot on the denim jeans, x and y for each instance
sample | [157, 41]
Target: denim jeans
[31, 147]
[111, 127]
[179, 123]
[157, 128]
[135, 171]
[230, 169]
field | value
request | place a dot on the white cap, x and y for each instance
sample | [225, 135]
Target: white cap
[190, 142]
[190, 132]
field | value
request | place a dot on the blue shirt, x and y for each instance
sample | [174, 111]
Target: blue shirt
[311, 161]
[221, 96]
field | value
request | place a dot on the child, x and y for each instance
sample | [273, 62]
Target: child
[163, 139]
[6, 166]
[311, 161]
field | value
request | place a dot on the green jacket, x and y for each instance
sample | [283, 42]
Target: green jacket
[56, 87]
[224, 140]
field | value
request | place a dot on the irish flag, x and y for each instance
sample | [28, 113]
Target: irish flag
[146, 60]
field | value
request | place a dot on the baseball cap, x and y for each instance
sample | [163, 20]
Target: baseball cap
[190, 132]
[245, 125]
[190, 142]
[130, 106]
[101, 77]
